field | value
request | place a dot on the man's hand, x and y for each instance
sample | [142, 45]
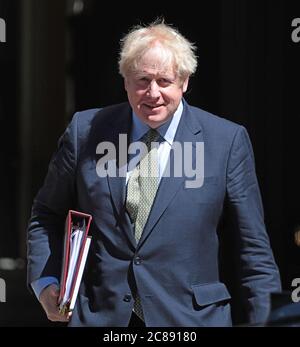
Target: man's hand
[49, 301]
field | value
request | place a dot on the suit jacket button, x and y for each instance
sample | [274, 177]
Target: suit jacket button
[137, 260]
[127, 298]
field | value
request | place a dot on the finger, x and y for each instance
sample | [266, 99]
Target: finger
[55, 315]
[66, 315]
[57, 318]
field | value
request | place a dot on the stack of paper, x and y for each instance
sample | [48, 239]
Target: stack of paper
[76, 247]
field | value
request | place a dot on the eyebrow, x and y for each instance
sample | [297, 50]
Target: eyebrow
[158, 75]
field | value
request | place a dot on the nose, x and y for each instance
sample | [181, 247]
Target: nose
[154, 90]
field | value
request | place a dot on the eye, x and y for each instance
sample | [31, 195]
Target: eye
[142, 81]
[164, 82]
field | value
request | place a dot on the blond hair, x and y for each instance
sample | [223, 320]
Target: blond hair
[175, 48]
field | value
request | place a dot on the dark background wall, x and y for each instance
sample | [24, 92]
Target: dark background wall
[61, 57]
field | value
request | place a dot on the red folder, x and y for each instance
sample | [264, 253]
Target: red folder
[76, 245]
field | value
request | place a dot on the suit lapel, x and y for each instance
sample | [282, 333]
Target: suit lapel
[189, 130]
[120, 124]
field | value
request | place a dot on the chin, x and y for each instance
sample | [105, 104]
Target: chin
[156, 117]
[155, 121]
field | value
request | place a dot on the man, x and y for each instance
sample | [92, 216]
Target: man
[154, 258]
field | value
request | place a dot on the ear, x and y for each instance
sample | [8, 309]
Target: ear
[185, 85]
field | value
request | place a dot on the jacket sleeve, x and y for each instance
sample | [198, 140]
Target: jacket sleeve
[50, 207]
[259, 273]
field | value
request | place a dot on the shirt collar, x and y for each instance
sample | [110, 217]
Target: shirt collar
[166, 130]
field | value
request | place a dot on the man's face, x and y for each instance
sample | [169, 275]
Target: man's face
[154, 91]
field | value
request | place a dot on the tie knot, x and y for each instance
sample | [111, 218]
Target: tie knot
[151, 136]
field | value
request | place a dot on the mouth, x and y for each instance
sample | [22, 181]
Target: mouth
[152, 107]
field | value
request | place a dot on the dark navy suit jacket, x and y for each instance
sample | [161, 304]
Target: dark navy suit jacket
[176, 265]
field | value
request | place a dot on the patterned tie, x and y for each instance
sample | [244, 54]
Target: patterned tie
[141, 190]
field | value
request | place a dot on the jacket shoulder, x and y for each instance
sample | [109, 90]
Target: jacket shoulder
[86, 118]
[96, 120]
[214, 122]
[217, 128]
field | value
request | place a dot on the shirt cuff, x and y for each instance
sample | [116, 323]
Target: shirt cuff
[42, 283]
